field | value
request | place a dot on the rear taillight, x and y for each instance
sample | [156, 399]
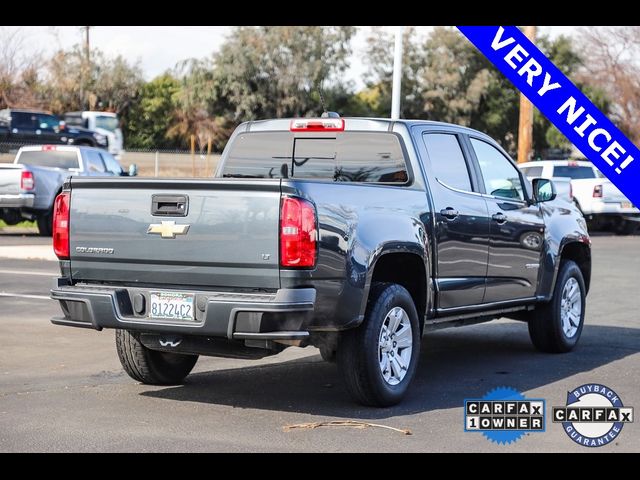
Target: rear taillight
[27, 182]
[297, 233]
[597, 191]
[61, 225]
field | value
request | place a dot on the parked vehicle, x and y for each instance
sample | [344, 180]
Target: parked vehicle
[564, 191]
[20, 127]
[603, 205]
[353, 235]
[105, 123]
[29, 186]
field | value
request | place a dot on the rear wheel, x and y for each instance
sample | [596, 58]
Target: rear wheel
[555, 327]
[627, 227]
[45, 224]
[150, 366]
[378, 359]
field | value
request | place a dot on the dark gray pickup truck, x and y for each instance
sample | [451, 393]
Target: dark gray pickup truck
[353, 235]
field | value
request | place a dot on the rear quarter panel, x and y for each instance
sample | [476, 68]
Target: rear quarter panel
[49, 183]
[358, 223]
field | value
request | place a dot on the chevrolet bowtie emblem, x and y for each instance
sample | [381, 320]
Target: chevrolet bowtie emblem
[168, 229]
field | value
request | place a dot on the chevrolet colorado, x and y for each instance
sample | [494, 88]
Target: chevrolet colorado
[353, 235]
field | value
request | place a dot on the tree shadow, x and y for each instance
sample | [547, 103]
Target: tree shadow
[454, 365]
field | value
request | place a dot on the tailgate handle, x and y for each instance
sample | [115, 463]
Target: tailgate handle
[170, 205]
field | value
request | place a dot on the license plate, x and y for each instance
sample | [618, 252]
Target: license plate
[626, 205]
[171, 306]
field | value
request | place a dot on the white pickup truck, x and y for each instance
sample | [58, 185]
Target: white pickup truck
[601, 203]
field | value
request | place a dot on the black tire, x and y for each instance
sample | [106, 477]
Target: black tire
[545, 323]
[359, 351]
[627, 227]
[328, 354]
[150, 366]
[45, 224]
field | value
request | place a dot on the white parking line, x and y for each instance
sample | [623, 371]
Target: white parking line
[24, 295]
[29, 272]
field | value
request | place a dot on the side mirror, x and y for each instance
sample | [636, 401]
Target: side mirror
[62, 126]
[133, 170]
[543, 190]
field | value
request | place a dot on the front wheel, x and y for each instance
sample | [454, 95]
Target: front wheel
[378, 359]
[555, 327]
[151, 366]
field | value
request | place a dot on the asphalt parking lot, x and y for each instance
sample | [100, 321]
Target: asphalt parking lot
[62, 389]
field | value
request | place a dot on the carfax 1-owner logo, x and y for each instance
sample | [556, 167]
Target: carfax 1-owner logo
[504, 415]
[593, 416]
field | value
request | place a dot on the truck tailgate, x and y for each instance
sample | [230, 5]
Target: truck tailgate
[227, 237]
[10, 179]
[611, 193]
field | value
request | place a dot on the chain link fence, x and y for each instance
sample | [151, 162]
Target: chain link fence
[151, 163]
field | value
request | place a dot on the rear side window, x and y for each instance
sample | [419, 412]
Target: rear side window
[94, 162]
[111, 163]
[532, 171]
[347, 157]
[47, 122]
[447, 160]
[51, 158]
[574, 173]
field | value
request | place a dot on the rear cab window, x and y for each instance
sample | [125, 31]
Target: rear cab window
[63, 159]
[365, 157]
[574, 172]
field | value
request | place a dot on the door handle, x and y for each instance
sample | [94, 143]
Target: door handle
[449, 213]
[499, 218]
[170, 205]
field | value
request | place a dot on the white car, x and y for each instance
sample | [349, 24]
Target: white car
[105, 123]
[600, 201]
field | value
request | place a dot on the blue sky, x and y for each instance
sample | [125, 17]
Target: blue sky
[161, 47]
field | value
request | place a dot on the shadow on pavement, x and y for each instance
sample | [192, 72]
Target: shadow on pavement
[454, 365]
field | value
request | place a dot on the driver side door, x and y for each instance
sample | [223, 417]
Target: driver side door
[517, 229]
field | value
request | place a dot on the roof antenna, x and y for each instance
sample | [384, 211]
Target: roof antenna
[325, 113]
[319, 88]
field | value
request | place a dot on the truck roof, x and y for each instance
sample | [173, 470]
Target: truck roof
[91, 113]
[61, 148]
[354, 124]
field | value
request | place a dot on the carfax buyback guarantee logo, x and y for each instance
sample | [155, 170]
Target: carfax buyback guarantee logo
[594, 415]
[504, 415]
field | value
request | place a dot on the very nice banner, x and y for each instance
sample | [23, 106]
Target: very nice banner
[562, 103]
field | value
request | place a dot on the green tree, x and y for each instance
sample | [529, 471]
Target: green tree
[73, 82]
[152, 114]
[455, 77]
[264, 72]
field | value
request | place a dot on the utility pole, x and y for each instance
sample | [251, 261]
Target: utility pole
[525, 128]
[86, 63]
[87, 44]
[397, 75]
